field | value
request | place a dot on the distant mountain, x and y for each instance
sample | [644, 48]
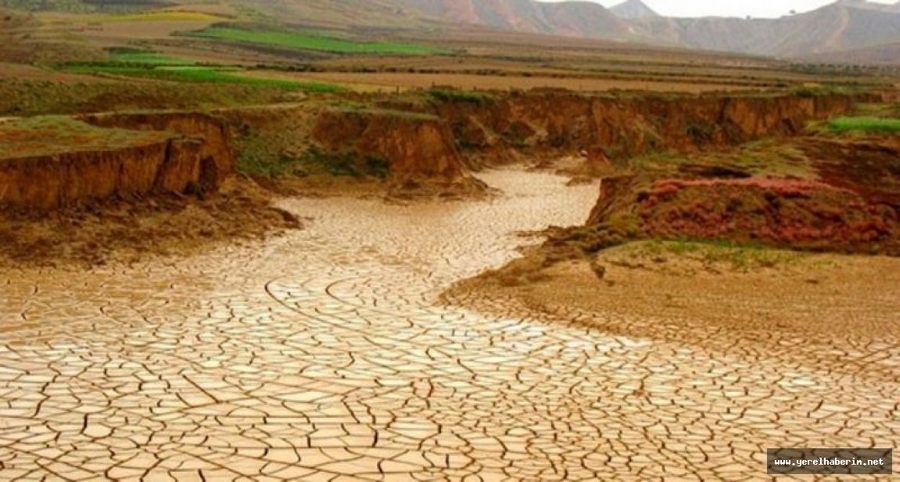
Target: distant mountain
[841, 26]
[632, 9]
[576, 18]
[845, 27]
[887, 54]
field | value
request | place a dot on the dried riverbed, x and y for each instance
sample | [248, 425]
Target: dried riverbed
[326, 354]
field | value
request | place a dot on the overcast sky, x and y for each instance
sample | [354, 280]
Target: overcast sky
[729, 8]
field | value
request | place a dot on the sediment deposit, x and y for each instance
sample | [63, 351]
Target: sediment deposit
[326, 354]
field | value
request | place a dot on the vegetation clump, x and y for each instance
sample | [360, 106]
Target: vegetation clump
[464, 96]
[868, 125]
[258, 158]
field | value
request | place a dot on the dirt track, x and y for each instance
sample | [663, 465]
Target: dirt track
[325, 353]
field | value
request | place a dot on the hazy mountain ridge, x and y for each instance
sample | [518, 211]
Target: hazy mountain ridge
[841, 27]
[631, 9]
[838, 27]
[577, 18]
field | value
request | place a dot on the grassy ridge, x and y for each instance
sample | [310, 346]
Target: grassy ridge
[872, 125]
[310, 41]
[156, 16]
[19, 97]
[143, 57]
[137, 63]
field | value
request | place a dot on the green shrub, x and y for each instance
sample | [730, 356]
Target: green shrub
[451, 95]
[871, 125]
[259, 157]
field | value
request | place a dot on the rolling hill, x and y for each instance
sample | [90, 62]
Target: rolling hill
[837, 27]
[841, 27]
[577, 18]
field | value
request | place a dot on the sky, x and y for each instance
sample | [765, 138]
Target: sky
[730, 8]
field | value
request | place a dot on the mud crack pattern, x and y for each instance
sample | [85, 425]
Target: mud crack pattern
[324, 355]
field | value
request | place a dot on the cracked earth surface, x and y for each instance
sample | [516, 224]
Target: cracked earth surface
[326, 355]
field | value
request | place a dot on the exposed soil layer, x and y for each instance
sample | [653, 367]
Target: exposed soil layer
[428, 147]
[732, 291]
[630, 125]
[418, 149]
[870, 166]
[429, 142]
[188, 152]
[214, 150]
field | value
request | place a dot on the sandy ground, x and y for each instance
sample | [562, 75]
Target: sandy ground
[821, 299]
[328, 353]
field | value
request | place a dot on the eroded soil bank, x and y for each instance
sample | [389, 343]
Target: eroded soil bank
[326, 352]
[429, 144]
[55, 162]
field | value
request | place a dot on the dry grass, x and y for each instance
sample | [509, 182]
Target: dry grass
[152, 16]
[50, 135]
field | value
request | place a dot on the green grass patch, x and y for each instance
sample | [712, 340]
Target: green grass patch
[868, 125]
[738, 256]
[145, 57]
[313, 41]
[452, 95]
[193, 73]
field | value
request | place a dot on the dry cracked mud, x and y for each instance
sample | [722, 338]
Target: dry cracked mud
[325, 354]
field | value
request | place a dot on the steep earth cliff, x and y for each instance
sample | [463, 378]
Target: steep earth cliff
[428, 147]
[419, 149]
[213, 159]
[850, 202]
[51, 165]
[551, 123]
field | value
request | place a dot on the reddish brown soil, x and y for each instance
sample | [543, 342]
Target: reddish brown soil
[870, 166]
[779, 212]
[849, 200]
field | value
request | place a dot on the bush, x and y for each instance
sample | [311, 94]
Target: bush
[450, 95]
[871, 125]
